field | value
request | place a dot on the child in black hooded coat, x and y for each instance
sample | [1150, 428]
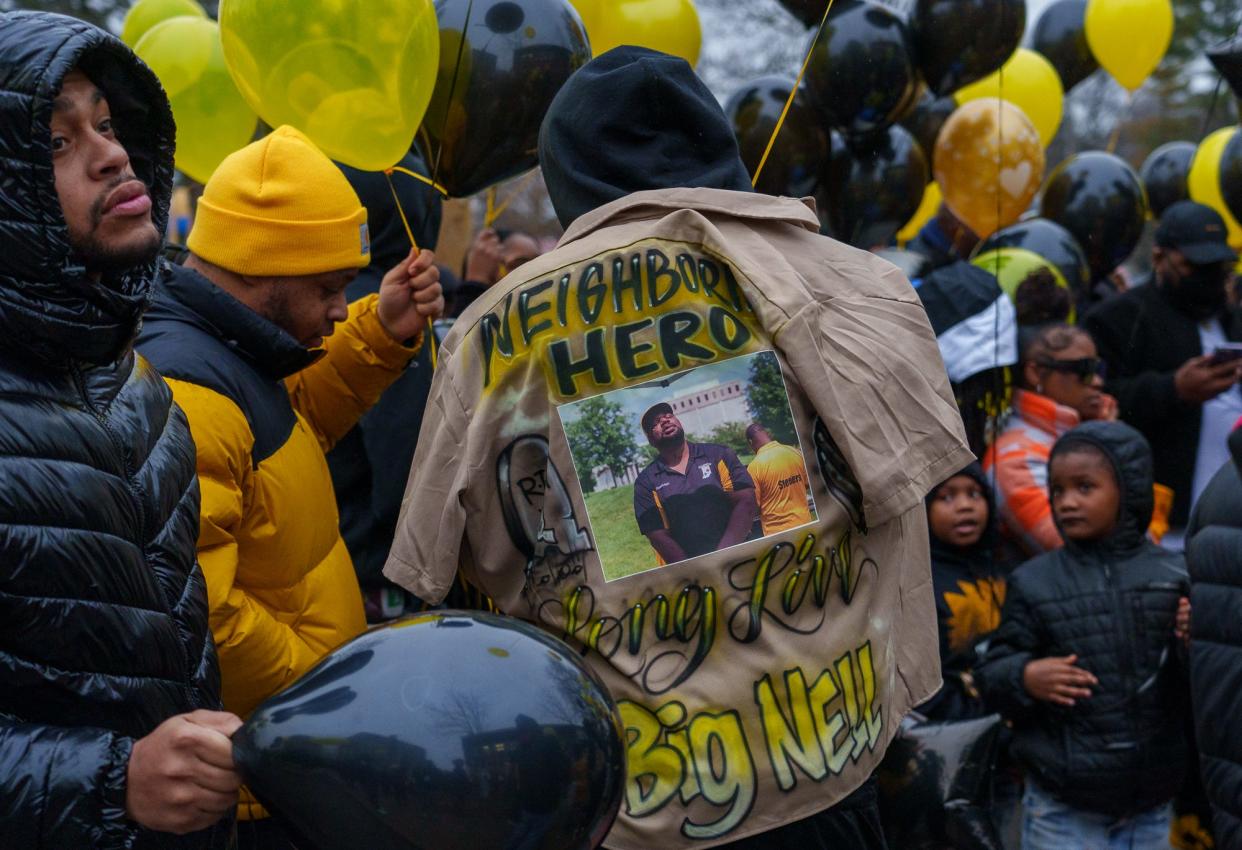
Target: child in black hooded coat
[1086, 662]
[969, 587]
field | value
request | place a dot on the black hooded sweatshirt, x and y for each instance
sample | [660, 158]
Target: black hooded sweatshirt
[970, 590]
[1111, 602]
[630, 120]
[371, 463]
[103, 610]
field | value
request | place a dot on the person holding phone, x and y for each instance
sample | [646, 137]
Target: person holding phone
[1170, 347]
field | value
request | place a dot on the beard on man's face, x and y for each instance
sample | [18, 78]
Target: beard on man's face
[668, 441]
[98, 256]
[278, 311]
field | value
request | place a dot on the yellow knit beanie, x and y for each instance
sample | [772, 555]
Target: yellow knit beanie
[279, 207]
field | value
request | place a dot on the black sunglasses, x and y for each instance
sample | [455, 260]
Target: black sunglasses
[1085, 368]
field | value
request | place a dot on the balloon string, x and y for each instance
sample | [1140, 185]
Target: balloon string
[1125, 113]
[780, 122]
[1000, 162]
[489, 217]
[433, 184]
[1207, 119]
[494, 210]
[409, 231]
[461, 47]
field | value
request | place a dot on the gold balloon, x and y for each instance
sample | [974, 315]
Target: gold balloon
[670, 26]
[1029, 82]
[213, 120]
[1204, 181]
[353, 75]
[145, 14]
[1129, 37]
[989, 163]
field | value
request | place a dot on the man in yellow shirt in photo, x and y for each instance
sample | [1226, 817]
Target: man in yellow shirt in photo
[779, 473]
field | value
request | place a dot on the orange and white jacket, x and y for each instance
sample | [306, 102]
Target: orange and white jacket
[1018, 464]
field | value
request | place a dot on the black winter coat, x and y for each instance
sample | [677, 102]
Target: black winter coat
[1214, 556]
[1144, 338]
[1112, 603]
[103, 611]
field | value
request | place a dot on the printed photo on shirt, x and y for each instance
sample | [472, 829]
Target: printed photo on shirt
[689, 464]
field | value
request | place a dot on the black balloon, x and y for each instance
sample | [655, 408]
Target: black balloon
[1164, 175]
[447, 730]
[861, 75]
[495, 86]
[935, 785]
[871, 187]
[1049, 240]
[1099, 199]
[926, 119]
[1231, 175]
[1061, 36]
[1227, 59]
[810, 12]
[957, 42]
[793, 166]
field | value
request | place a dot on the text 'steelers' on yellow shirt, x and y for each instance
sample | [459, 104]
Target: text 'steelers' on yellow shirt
[781, 487]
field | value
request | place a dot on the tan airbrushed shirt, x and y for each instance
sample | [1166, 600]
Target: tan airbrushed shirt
[761, 683]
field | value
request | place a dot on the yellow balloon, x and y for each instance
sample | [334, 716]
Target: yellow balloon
[932, 198]
[1011, 265]
[1129, 37]
[989, 164]
[147, 13]
[591, 12]
[1029, 82]
[354, 75]
[671, 26]
[213, 120]
[1204, 181]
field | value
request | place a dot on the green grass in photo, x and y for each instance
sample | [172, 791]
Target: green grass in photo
[623, 550]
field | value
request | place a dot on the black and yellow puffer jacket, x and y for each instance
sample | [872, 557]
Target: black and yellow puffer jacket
[263, 411]
[103, 611]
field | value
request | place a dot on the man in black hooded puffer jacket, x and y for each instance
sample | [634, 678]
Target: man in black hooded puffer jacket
[108, 676]
[1106, 607]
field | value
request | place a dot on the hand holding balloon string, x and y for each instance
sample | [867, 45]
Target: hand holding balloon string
[410, 296]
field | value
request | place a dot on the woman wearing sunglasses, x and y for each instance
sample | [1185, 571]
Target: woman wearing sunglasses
[1059, 386]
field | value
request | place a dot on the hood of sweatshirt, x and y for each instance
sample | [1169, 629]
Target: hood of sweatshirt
[630, 120]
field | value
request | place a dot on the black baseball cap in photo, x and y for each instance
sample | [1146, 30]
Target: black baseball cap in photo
[1197, 231]
[652, 412]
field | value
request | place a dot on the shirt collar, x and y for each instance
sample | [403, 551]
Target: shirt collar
[659, 202]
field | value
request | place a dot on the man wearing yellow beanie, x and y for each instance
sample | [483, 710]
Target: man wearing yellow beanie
[243, 333]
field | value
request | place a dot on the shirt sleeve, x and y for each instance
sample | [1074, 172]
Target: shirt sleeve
[646, 513]
[737, 472]
[432, 526]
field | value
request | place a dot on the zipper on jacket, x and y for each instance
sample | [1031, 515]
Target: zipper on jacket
[130, 477]
[1125, 654]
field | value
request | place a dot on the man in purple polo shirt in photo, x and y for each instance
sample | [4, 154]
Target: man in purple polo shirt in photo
[694, 498]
